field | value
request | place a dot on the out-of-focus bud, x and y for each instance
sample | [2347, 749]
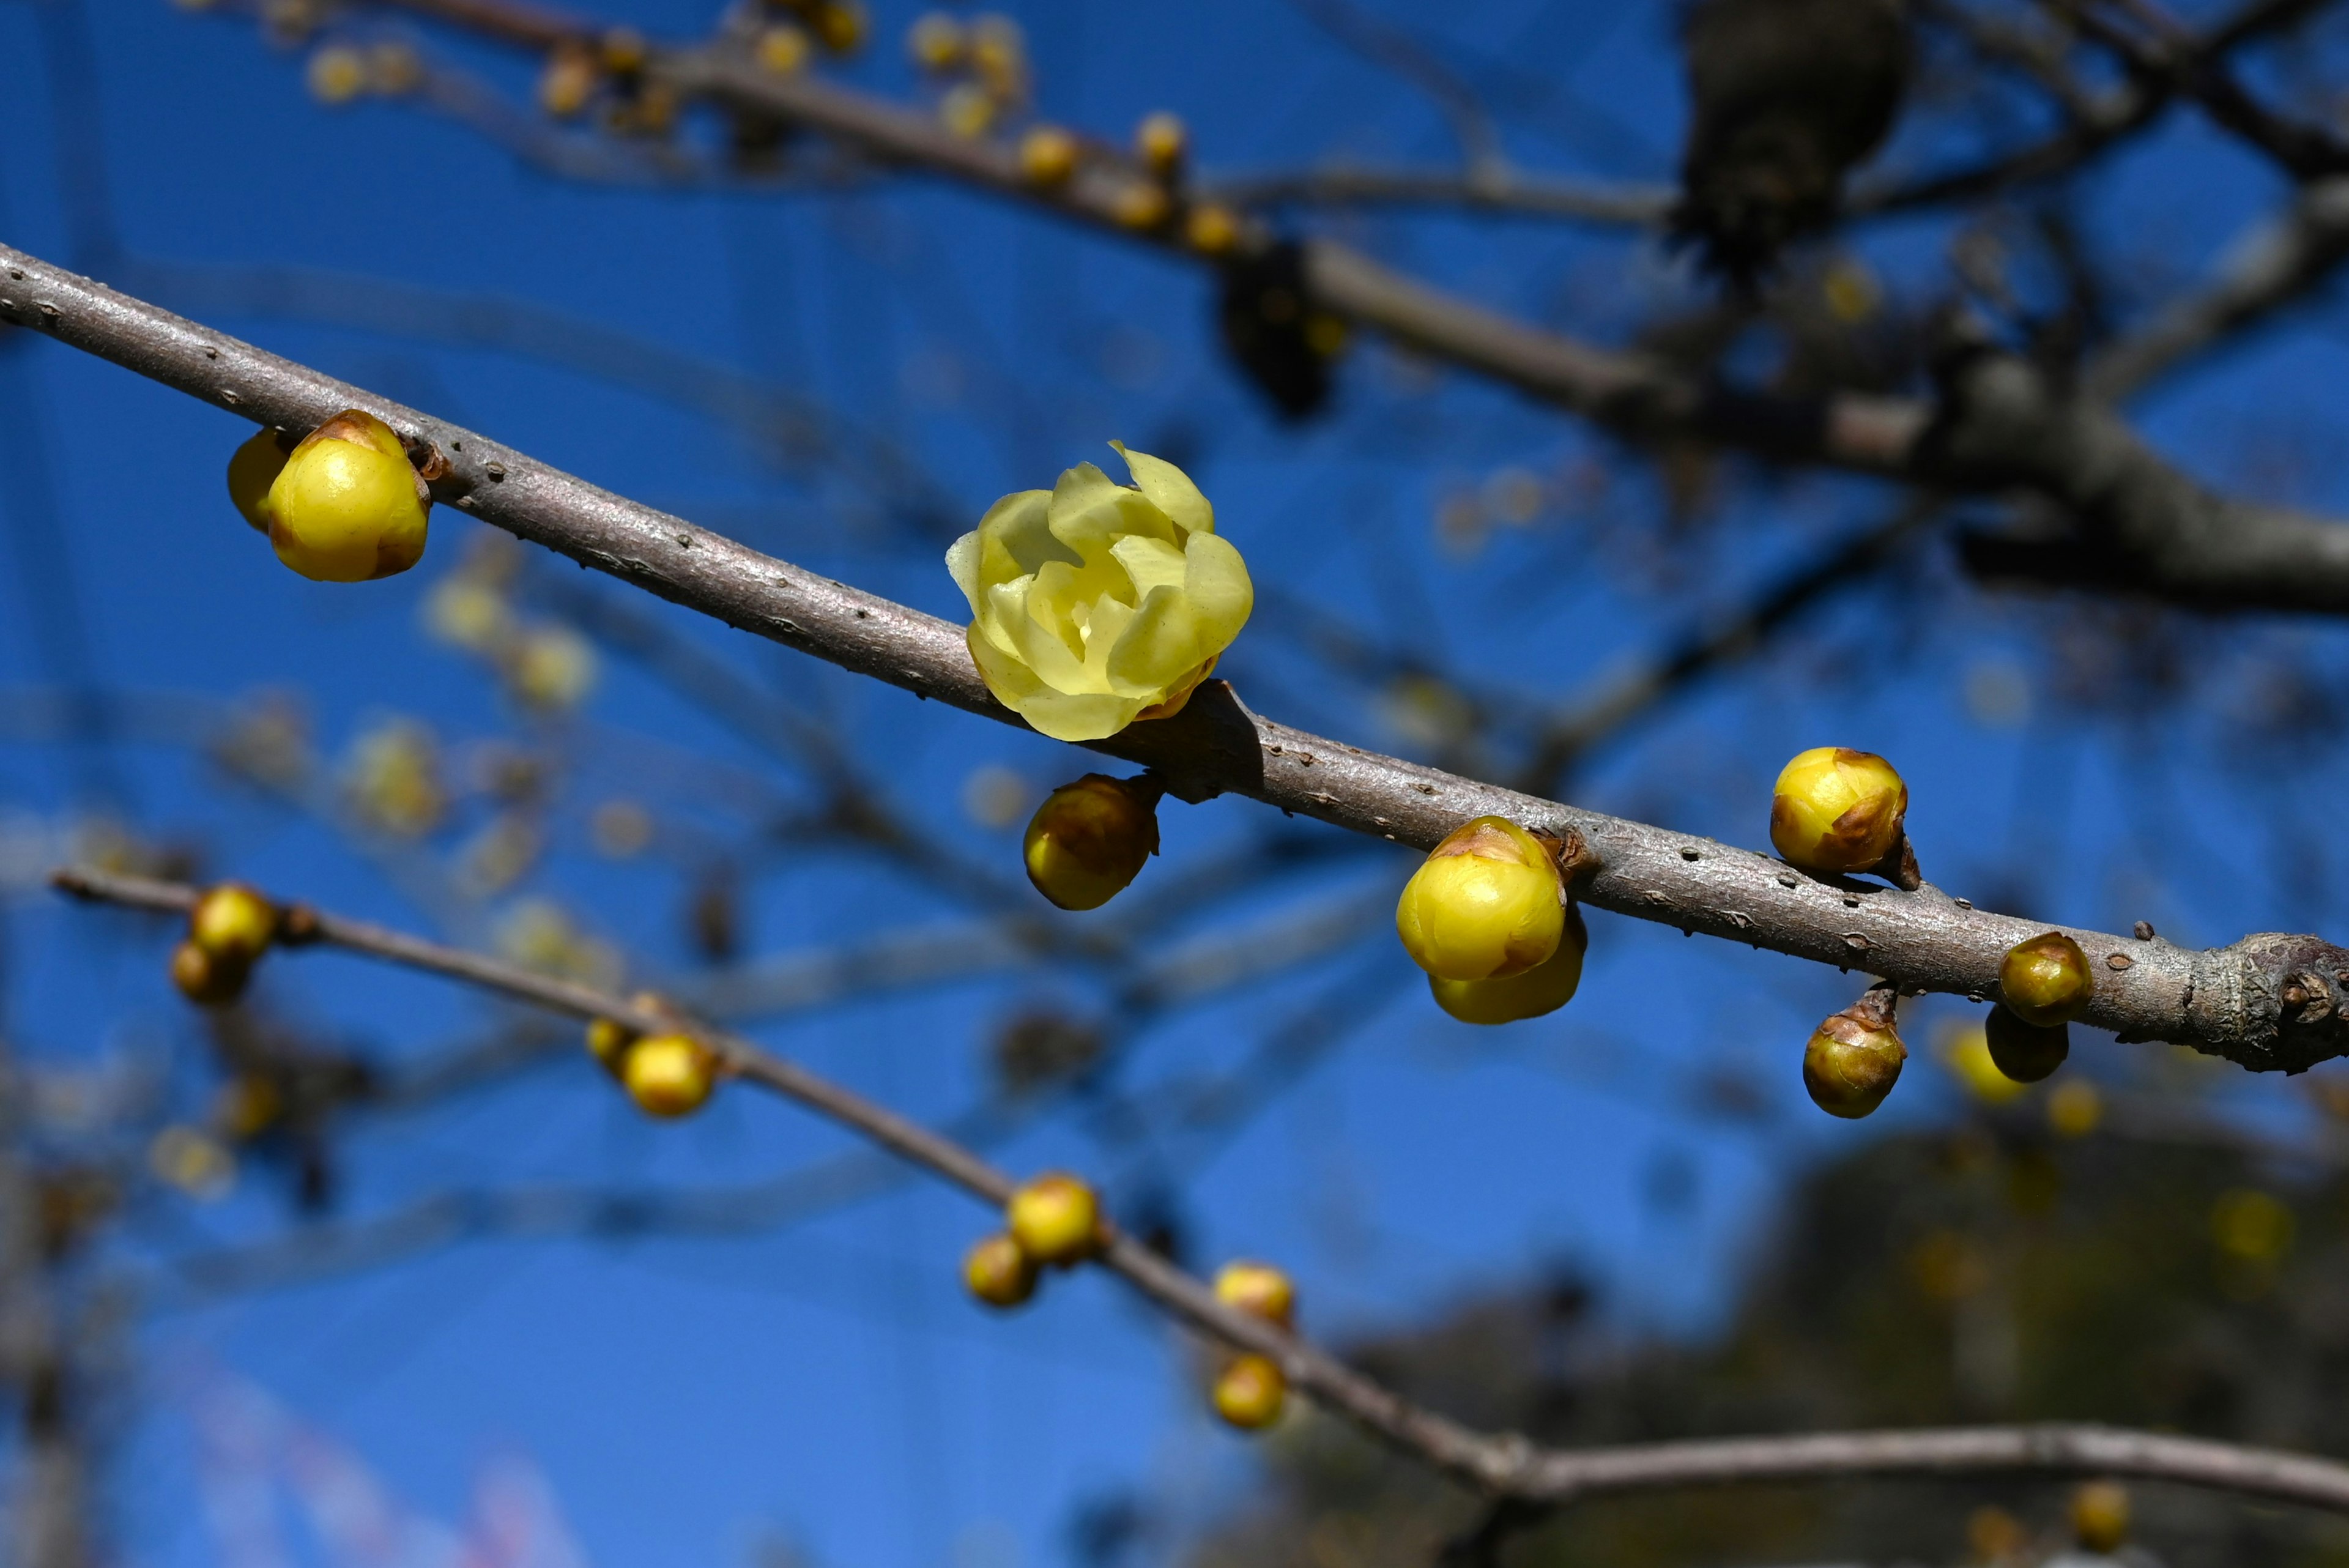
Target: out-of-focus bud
[1055, 1218]
[2100, 1517]
[608, 1040]
[669, 1074]
[207, 980]
[622, 50]
[1163, 141]
[1487, 903]
[968, 110]
[1212, 229]
[233, 923]
[1854, 1058]
[1967, 1054]
[999, 53]
[552, 668]
[1257, 1289]
[1250, 1392]
[840, 24]
[567, 82]
[393, 779]
[1836, 809]
[1090, 840]
[2025, 1052]
[336, 74]
[253, 469]
[782, 50]
[1140, 207]
[998, 1271]
[347, 506]
[934, 41]
[2047, 981]
[2075, 1109]
[248, 1106]
[1545, 988]
[393, 70]
[1048, 156]
[192, 1161]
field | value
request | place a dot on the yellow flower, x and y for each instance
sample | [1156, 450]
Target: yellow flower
[1095, 604]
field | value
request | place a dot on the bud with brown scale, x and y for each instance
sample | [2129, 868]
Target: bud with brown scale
[1250, 1392]
[1487, 903]
[2047, 981]
[1257, 1289]
[1091, 839]
[1056, 1219]
[998, 1271]
[2025, 1052]
[1854, 1058]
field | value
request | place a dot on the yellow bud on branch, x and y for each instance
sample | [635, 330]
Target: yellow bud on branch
[1250, 1392]
[1836, 809]
[1854, 1058]
[1545, 988]
[1055, 1218]
[1487, 903]
[2047, 981]
[347, 506]
[1090, 840]
[998, 1271]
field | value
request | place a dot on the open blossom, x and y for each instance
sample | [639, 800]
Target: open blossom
[1094, 604]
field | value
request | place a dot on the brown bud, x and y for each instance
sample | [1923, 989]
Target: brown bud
[997, 1271]
[2025, 1052]
[206, 978]
[2047, 981]
[2100, 1516]
[1854, 1057]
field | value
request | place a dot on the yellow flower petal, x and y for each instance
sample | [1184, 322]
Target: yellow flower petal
[1159, 647]
[1215, 582]
[1150, 564]
[1091, 511]
[1170, 490]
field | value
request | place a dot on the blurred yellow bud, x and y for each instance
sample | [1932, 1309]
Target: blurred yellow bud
[567, 82]
[1140, 207]
[1048, 156]
[347, 506]
[934, 41]
[1836, 809]
[393, 778]
[2251, 1225]
[1487, 903]
[539, 934]
[1163, 141]
[1543, 989]
[191, 1161]
[968, 110]
[2100, 1517]
[608, 1040]
[1326, 334]
[1851, 291]
[393, 70]
[1967, 1054]
[252, 468]
[2025, 1052]
[1055, 1218]
[552, 668]
[1250, 1392]
[1090, 840]
[2047, 981]
[207, 980]
[1095, 604]
[1212, 229]
[997, 1271]
[783, 50]
[1257, 1289]
[466, 612]
[1854, 1058]
[233, 923]
[669, 1074]
[622, 50]
[999, 53]
[336, 74]
[840, 24]
[2075, 1109]
[248, 1106]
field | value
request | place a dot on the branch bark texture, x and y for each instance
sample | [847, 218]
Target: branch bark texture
[2270, 1002]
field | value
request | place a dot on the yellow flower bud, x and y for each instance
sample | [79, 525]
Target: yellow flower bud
[1164, 142]
[1048, 156]
[1090, 840]
[1486, 903]
[1094, 604]
[233, 923]
[623, 50]
[997, 1271]
[2047, 981]
[393, 70]
[608, 1040]
[968, 110]
[336, 74]
[2100, 1517]
[2075, 1109]
[782, 50]
[840, 24]
[347, 506]
[207, 980]
[1055, 1218]
[1212, 229]
[2025, 1052]
[1257, 1289]
[253, 469]
[1968, 1055]
[669, 1074]
[1141, 208]
[934, 41]
[1545, 988]
[568, 81]
[1854, 1058]
[1250, 1391]
[248, 1106]
[1836, 809]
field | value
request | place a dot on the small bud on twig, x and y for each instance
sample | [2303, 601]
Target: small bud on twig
[998, 1271]
[1090, 840]
[1260, 1289]
[1836, 809]
[1854, 1058]
[2047, 981]
[1056, 1219]
[2025, 1051]
[1487, 903]
[1250, 1392]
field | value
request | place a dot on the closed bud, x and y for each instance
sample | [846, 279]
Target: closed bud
[997, 1271]
[608, 1040]
[253, 469]
[1055, 1218]
[623, 50]
[1854, 1058]
[782, 50]
[1545, 988]
[1212, 229]
[1164, 142]
[1140, 207]
[1487, 903]
[1836, 809]
[2047, 981]
[207, 980]
[233, 923]
[1250, 1391]
[2025, 1052]
[1257, 1289]
[1048, 156]
[669, 1074]
[1090, 840]
[336, 74]
[567, 82]
[934, 41]
[2100, 1517]
[347, 506]
[840, 24]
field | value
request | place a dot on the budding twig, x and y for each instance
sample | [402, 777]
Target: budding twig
[1503, 1466]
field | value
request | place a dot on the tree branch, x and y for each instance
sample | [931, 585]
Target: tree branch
[2268, 1002]
[1505, 1465]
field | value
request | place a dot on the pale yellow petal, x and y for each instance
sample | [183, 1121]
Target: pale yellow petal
[1015, 537]
[1091, 511]
[962, 564]
[1215, 584]
[1001, 605]
[1033, 644]
[1160, 647]
[1150, 564]
[1088, 716]
[1170, 490]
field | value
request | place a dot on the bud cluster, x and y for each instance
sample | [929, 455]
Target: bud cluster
[1052, 1221]
[341, 505]
[669, 1074]
[229, 926]
[1251, 1389]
